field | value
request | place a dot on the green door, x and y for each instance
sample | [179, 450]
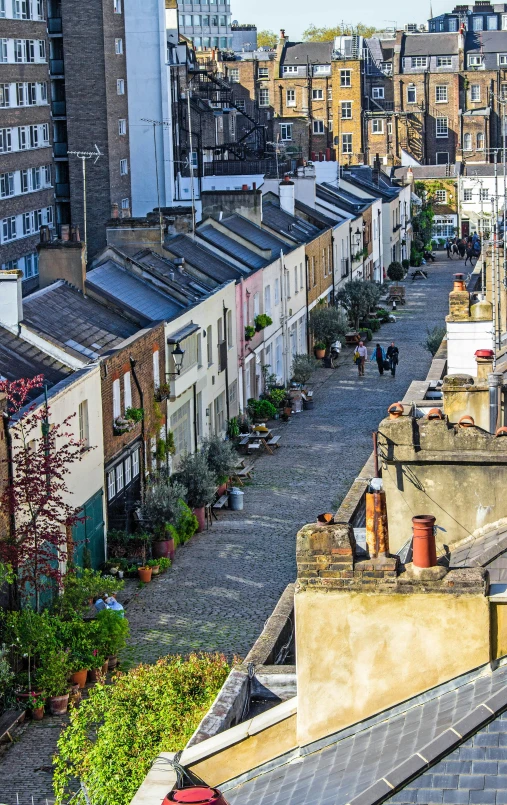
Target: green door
[89, 533]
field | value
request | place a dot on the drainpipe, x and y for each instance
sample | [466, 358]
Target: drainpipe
[196, 445]
[133, 364]
[334, 278]
[13, 588]
[227, 404]
[495, 381]
[307, 311]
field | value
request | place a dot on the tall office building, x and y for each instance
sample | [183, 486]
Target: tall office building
[207, 23]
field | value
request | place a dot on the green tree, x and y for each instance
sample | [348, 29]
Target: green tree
[323, 34]
[395, 271]
[423, 220]
[357, 297]
[327, 324]
[434, 338]
[266, 39]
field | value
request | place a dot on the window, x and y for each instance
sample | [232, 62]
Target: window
[330, 93]
[346, 143]
[323, 69]
[287, 285]
[475, 92]
[377, 126]
[442, 157]
[122, 126]
[125, 204]
[441, 93]
[233, 392]
[263, 72]
[180, 426]
[6, 185]
[240, 105]
[5, 141]
[345, 78]
[291, 97]
[483, 194]
[209, 344]
[119, 477]
[2, 8]
[286, 131]
[467, 142]
[124, 167]
[264, 97]
[411, 93]
[504, 22]
[116, 399]
[230, 334]
[111, 485]
[5, 95]
[301, 283]
[290, 68]
[156, 368]
[419, 61]
[318, 127]
[442, 127]
[127, 391]
[135, 463]
[386, 67]
[475, 61]
[84, 434]
[277, 291]
[444, 61]
[233, 75]
[377, 93]
[503, 92]
[296, 289]
[3, 51]
[492, 23]
[346, 107]
[219, 413]
[9, 229]
[118, 47]
[128, 470]
[502, 59]
[117, 6]
[441, 196]
[317, 94]
[480, 141]
[477, 24]
[120, 86]
[453, 24]
[467, 194]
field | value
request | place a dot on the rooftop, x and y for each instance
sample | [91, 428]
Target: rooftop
[437, 44]
[253, 233]
[231, 247]
[312, 52]
[343, 199]
[19, 359]
[290, 226]
[203, 260]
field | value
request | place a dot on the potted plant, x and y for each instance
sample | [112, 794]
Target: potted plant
[134, 414]
[262, 321]
[144, 572]
[320, 349]
[249, 332]
[112, 634]
[163, 392]
[35, 703]
[303, 366]
[222, 459]
[261, 410]
[164, 564]
[52, 677]
[154, 564]
[79, 638]
[200, 482]
[162, 507]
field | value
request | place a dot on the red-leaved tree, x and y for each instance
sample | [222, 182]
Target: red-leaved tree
[42, 454]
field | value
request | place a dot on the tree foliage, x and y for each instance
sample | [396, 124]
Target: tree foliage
[327, 324]
[357, 297]
[266, 39]
[395, 271]
[121, 727]
[434, 338]
[423, 220]
[163, 501]
[198, 479]
[221, 456]
[303, 367]
[323, 34]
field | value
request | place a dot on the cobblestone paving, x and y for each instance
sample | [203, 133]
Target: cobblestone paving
[226, 581]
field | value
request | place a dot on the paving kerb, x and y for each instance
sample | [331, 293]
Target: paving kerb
[225, 582]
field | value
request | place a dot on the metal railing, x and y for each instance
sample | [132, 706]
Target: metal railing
[60, 149]
[59, 108]
[55, 25]
[56, 67]
[62, 190]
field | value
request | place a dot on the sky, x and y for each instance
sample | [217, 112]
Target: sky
[296, 15]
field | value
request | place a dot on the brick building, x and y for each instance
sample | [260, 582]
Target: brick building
[26, 173]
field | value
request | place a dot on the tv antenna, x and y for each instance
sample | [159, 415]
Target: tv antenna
[83, 156]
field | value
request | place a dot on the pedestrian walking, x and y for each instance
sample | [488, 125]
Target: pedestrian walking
[455, 249]
[470, 254]
[393, 356]
[448, 248]
[379, 355]
[360, 356]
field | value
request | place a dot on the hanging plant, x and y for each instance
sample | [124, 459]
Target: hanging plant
[122, 425]
[262, 321]
[249, 332]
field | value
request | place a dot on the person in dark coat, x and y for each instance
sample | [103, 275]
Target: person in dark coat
[393, 356]
[462, 249]
[448, 248]
[455, 249]
[470, 254]
[379, 355]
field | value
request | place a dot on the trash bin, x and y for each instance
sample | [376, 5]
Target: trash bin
[236, 499]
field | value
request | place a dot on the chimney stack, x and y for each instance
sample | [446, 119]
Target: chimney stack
[459, 300]
[114, 210]
[484, 359]
[63, 260]
[287, 196]
[11, 298]
[423, 543]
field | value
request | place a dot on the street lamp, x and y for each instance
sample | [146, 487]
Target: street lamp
[178, 354]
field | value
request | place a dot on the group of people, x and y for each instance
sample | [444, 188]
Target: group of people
[467, 248]
[386, 360]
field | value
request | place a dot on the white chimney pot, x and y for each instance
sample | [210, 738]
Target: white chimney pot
[11, 298]
[287, 197]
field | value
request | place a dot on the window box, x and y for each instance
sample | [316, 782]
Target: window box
[123, 425]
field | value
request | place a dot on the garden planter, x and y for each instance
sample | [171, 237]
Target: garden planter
[320, 353]
[58, 705]
[94, 674]
[38, 714]
[155, 570]
[162, 548]
[144, 574]
[105, 667]
[201, 519]
[112, 662]
[222, 489]
[79, 677]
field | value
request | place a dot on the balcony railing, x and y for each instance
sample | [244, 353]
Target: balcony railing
[240, 167]
[60, 149]
[56, 67]
[55, 25]
[396, 227]
[59, 108]
[62, 189]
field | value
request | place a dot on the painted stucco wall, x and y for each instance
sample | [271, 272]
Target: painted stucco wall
[359, 653]
[463, 339]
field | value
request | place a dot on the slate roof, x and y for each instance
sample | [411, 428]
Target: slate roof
[20, 359]
[343, 199]
[74, 321]
[231, 247]
[364, 178]
[204, 260]
[352, 766]
[250, 231]
[427, 172]
[319, 216]
[114, 281]
[181, 282]
[481, 169]
[314, 52]
[444, 44]
[288, 225]
[488, 43]
[486, 550]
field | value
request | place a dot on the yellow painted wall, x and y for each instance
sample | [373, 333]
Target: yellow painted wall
[498, 630]
[359, 653]
[245, 755]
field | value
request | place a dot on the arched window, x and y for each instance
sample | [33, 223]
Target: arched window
[480, 141]
[467, 142]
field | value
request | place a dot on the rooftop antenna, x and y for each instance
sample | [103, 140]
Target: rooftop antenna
[164, 124]
[83, 156]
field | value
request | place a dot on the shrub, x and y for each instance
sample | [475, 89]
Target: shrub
[198, 479]
[134, 414]
[81, 585]
[249, 332]
[327, 324]
[187, 525]
[395, 271]
[383, 314]
[303, 367]
[277, 396]
[221, 457]
[357, 297]
[261, 409]
[119, 729]
[405, 264]
[162, 501]
[434, 338]
[111, 633]
[262, 321]
[52, 676]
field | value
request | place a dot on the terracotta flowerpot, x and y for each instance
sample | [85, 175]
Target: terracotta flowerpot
[144, 574]
[201, 519]
[112, 662]
[38, 713]
[222, 489]
[58, 705]
[320, 353]
[79, 677]
[155, 570]
[93, 674]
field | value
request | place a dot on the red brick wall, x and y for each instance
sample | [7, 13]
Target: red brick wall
[4, 522]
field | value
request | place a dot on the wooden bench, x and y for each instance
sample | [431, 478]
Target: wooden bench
[221, 502]
[397, 293]
[253, 446]
[240, 475]
[274, 441]
[419, 273]
[8, 721]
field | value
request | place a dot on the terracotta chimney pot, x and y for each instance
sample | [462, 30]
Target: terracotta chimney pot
[423, 543]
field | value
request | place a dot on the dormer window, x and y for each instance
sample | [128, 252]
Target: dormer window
[476, 61]
[419, 61]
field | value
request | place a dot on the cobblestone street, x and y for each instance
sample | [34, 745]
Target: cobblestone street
[226, 581]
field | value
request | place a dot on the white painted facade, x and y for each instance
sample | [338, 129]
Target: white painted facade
[475, 199]
[463, 339]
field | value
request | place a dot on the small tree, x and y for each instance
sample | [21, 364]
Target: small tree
[221, 457]
[199, 481]
[357, 297]
[434, 338]
[163, 501]
[266, 39]
[42, 457]
[327, 324]
[395, 271]
[303, 367]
